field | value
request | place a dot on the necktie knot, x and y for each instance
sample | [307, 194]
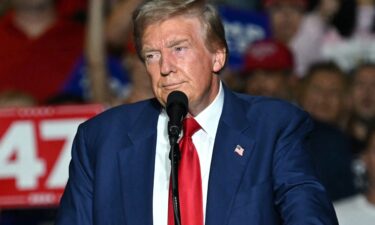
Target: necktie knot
[190, 126]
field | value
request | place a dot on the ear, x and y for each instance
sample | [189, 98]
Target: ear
[219, 58]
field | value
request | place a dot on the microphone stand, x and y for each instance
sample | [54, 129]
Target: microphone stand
[174, 156]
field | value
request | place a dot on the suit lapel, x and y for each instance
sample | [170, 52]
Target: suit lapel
[227, 166]
[136, 161]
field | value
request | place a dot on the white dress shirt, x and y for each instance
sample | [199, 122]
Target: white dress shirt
[203, 140]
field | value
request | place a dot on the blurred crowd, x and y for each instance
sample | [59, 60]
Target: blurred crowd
[320, 56]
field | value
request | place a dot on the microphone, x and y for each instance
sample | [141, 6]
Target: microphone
[177, 107]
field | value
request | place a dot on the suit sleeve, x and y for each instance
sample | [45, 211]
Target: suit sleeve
[299, 196]
[76, 203]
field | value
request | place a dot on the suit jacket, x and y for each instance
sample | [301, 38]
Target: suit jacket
[113, 156]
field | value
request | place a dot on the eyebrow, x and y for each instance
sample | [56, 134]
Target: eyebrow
[173, 43]
[148, 49]
[170, 44]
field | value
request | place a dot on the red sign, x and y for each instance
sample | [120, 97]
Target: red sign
[35, 146]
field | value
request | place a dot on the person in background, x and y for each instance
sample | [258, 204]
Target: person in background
[324, 93]
[363, 102]
[107, 32]
[351, 41]
[360, 209]
[118, 29]
[332, 154]
[140, 87]
[118, 26]
[315, 26]
[285, 18]
[268, 70]
[250, 161]
[38, 48]
[16, 99]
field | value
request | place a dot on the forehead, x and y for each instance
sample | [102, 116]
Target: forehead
[268, 74]
[177, 27]
[326, 76]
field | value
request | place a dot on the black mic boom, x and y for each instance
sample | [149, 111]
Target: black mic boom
[177, 107]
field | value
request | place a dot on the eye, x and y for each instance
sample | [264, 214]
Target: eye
[179, 49]
[149, 56]
[152, 57]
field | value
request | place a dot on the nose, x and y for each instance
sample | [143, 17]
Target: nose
[167, 64]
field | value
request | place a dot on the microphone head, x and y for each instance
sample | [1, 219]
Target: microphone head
[177, 99]
[177, 107]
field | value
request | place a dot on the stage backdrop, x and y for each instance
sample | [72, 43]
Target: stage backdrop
[35, 145]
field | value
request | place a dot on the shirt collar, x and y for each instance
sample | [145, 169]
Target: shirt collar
[208, 119]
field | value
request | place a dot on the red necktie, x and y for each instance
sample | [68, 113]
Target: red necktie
[189, 179]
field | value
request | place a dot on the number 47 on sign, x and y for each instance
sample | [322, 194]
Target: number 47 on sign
[35, 152]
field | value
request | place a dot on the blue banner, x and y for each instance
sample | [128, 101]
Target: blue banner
[243, 27]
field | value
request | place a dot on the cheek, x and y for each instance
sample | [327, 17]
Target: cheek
[276, 83]
[358, 93]
[277, 21]
[310, 97]
[334, 109]
[153, 79]
[336, 102]
[201, 74]
[309, 102]
[197, 84]
[152, 72]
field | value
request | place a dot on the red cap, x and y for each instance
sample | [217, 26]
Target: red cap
[301, 3]
[268, 55]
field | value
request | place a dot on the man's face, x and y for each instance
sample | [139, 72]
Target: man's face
[364, 93]
[323, 97]
[285, 21]
[267, 83]
[177, 58]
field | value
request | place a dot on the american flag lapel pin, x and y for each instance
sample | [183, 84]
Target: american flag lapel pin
[239, 150]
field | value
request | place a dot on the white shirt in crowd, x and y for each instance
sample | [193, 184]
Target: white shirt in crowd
[355, 210]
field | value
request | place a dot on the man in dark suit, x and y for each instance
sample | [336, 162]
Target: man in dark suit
[252, 150]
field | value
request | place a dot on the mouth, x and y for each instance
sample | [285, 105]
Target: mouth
[172, 86]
